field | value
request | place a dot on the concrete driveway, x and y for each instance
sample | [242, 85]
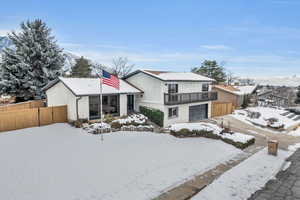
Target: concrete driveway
[261, 135]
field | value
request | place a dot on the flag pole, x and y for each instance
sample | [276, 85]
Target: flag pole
[101, 112]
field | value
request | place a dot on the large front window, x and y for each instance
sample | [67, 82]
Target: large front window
[110, 105]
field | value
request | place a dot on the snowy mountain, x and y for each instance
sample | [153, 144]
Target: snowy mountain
[292, 81]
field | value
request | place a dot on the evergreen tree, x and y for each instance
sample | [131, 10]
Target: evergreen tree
[297, 100]
[211, 69]
[34, 61]
[82, 68]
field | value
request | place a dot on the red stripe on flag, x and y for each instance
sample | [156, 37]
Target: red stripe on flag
[113, 81]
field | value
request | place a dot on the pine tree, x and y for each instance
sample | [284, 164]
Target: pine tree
[34, 61]
[211, 69]
[82, 68]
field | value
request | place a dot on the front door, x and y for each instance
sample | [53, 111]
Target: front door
[199, 112]
[130, 103]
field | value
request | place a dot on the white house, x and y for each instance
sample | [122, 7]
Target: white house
[81, 95]
[183, 97]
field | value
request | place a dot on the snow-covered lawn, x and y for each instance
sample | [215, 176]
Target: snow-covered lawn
[267, 113]
[60, 162]
[246, 178]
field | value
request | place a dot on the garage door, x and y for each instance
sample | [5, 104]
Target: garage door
[197, 113]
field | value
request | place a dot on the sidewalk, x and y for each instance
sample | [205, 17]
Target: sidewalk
[190, 188]
[286, 186]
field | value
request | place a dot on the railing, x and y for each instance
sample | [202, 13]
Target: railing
[182, 98]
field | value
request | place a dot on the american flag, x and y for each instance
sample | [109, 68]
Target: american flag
[110, 80]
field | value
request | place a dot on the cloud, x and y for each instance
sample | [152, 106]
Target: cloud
[216, 47]
[4, 32]
[104, 46]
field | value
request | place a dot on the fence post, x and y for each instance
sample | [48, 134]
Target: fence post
[39, 117]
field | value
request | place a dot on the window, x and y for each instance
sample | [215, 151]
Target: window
[173, 88]
[205, 87]
[173, 112]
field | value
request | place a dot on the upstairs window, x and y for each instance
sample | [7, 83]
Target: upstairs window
[205, 87]
[173, 88]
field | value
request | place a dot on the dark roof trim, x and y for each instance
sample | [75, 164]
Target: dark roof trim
[149, 74]
[54, 82]
[133, 86]
[84, 95]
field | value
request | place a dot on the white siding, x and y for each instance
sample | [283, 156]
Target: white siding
[153, 96]
[83, 108]
[59, 95]
[183, 113]
[123, 104]
[186, 87]
[152, 88]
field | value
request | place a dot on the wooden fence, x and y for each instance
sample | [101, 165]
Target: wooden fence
[22, 106]
[25, 118]
[221, 108]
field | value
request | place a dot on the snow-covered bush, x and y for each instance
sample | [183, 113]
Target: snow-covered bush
[98, 128]
[208, 130]
[134, 119]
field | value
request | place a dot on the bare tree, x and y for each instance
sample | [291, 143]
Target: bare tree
[121, 67]
[231, 77]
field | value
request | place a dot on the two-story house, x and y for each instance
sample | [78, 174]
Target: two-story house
[182, 96]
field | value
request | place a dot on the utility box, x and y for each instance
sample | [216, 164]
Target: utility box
[272, 147]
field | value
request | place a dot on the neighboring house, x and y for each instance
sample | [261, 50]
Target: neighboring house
[82, 96]
[183, 97]
[234, 94]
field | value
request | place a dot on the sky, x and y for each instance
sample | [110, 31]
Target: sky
[256, 38]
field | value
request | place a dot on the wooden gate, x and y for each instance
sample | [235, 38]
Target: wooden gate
[25, 118]
[221, 108]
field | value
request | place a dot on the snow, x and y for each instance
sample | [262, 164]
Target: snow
[294, 147]
[246, 178]
[292, 81]
[266, 113]
[286, 165]
[61, 162]
[182, 76]
[134, 118]
[247, 89]
[89, 86]
[295, 132]
[236, 137]
[196, 127]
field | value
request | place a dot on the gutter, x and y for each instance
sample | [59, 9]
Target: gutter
[77, 114]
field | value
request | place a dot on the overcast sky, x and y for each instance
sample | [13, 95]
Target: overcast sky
[251, 38]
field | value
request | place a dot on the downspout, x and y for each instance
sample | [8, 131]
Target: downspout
[77, 114]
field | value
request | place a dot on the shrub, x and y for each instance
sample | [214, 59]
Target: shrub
[108, 118]
[116, 125]
[209, 134]
[154, 115]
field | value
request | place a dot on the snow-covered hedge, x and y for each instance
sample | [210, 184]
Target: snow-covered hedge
[134, 120]
[138, 128]
[208, 130]
[98, 128]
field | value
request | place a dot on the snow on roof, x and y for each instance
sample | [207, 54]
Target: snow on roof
[176, 76]
[238, 90]
[91, 86]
